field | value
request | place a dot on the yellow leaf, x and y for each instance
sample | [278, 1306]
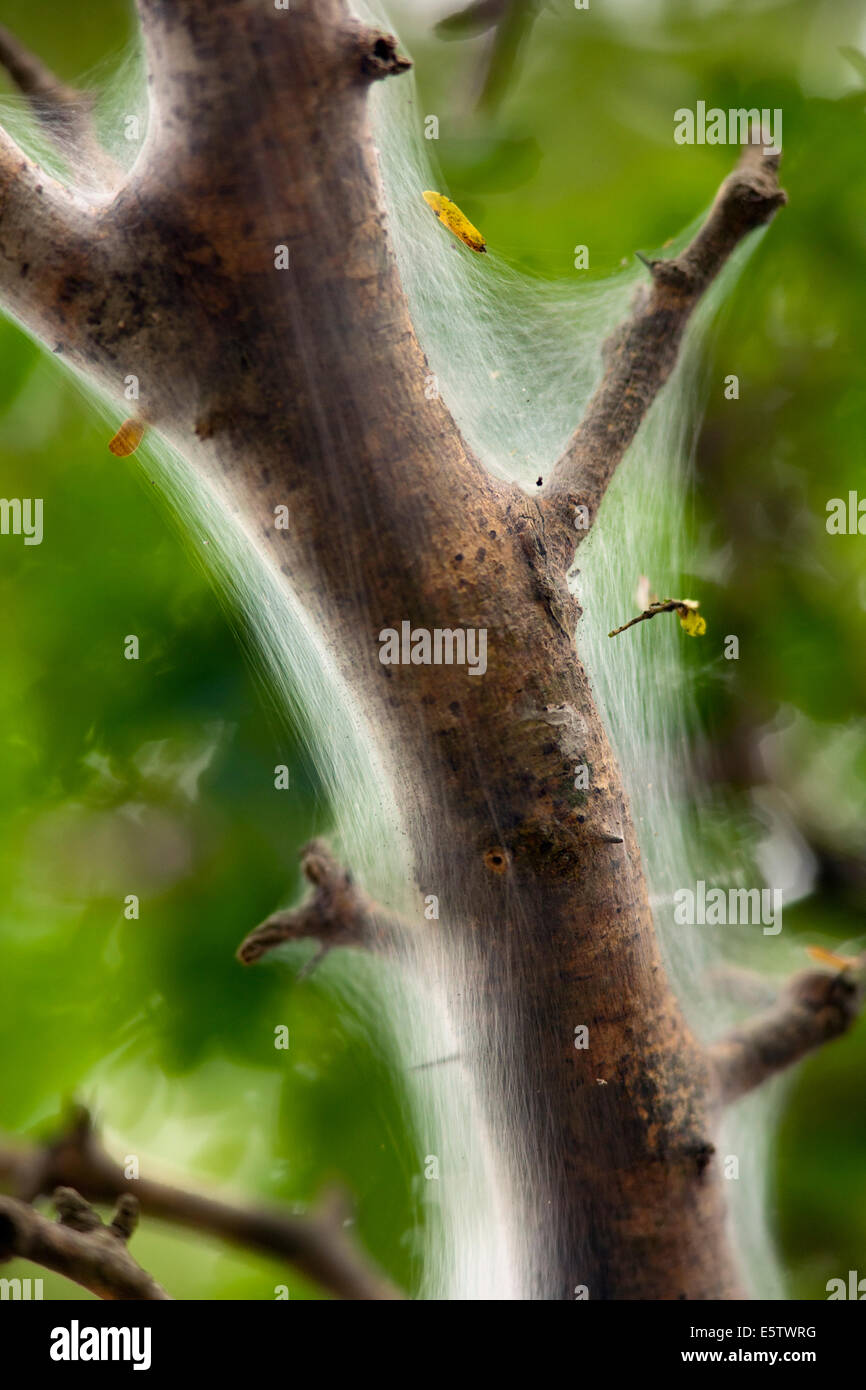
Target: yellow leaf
[693, 624]
[456, 221]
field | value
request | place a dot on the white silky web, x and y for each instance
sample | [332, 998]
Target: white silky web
[515, 360]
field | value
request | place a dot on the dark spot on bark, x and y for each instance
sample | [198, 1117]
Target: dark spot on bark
[25, 267]
[458, 559]
[454, 707]
[539, 482]
[703, 1156]
[480, 553]
[496, 859]
[74, 286]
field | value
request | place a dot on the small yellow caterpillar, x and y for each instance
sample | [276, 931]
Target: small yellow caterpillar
[456, 221]
[127, 439]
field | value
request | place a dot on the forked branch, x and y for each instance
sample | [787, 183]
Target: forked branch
[641, 354]
[317, 1243]
[79, 1245]
[336, 913]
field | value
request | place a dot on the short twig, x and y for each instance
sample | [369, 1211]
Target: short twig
[813, 1008]
[683, 606]
[79, 1245]
[336, 913]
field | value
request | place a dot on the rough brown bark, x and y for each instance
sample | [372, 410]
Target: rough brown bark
[306, 388]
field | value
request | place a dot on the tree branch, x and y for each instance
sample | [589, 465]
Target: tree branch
[316, 1243]
[641, 354]
[65, 113]
[683, 606]
[337, 913]
[814, 1008]
[78, 1245]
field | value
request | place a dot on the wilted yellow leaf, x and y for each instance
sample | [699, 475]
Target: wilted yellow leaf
[692, 623]
[456, 221]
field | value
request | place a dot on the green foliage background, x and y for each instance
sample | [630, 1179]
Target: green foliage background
[154, 1021]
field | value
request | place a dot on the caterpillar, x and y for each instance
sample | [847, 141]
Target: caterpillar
[456, 221]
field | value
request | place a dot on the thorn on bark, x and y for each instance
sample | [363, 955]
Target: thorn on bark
[668, 273]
